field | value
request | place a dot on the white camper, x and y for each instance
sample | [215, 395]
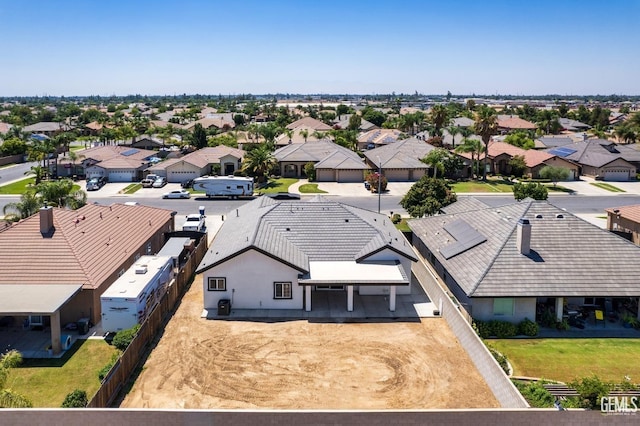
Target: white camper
[130, 299]
[224, 186]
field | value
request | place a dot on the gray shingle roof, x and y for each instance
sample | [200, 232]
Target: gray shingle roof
[296, 232]
[569, 257]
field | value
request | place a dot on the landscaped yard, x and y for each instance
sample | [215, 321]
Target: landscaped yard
[479, 186]
[130, 189]
[17, 187]
[276, 185]
[311, 188]
[46, 382]
[607, 187]
[568, 359]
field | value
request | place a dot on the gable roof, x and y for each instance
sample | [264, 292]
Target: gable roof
[87, 246]
[310, 123]
[606, 265]
[572, 125]
[532, 157]
[515, 122]
[380, 136]
[594, 152]
[402, 154]
[296, 232]
[631, 213]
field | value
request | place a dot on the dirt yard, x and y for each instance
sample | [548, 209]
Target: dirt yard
[210, 364]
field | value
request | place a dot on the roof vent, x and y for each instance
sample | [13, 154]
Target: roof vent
[559, 216]
[141, 269]
[616, 211]
[288, 229]
[346, 220]
[538, 216]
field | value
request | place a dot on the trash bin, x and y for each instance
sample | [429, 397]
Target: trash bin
[83, 325]
[201, 209]
[224, 307]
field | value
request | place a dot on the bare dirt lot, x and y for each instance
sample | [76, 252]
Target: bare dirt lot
[209, 364]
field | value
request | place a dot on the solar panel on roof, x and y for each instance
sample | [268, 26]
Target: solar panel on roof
[562, 151]
[130, 152]
[466, 238]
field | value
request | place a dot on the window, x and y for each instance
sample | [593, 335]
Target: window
[217, 284]
[503, 306]
[282, 291]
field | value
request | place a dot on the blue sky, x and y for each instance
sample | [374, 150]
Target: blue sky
[105, 47]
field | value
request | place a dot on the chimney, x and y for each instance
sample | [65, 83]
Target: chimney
[523, 241]
[46, 220]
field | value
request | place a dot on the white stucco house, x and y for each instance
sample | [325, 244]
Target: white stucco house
[273, 254]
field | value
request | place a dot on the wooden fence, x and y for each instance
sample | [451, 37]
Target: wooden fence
[124, 367]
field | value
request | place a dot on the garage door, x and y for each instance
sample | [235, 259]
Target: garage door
[619, 175]
[396, 175]
[350, 176]
[325, 175]
[180, 176]
[121, 176]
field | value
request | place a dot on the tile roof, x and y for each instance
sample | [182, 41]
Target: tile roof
[88, 245]
[339, 160]
[515, 122]
[572, 125]
[532, 157]
[631, 213]
[46, 126]
[296, 232]
[208, 122]
[314, 151]
[405, 153]
[310, 123]
[569, 256]
[107, 152]
[599, 152]
[380, 136]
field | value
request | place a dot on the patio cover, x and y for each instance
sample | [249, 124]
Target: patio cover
[354, 273]
[24, 299]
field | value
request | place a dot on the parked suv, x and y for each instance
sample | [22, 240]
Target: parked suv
[95, 183]
[160, 182]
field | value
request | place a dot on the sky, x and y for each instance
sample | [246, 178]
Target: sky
[491, 47]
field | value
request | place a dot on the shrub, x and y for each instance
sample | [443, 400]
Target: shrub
[528, 328]
[75, 399]
[591, 390]
[482, 329]
[563, 325]
[502, 329]
[502, 359]
[105, 370]
[535, 394]
[122, 338]
[310, 171]
[396, 218]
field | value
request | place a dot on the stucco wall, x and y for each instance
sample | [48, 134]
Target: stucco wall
[250, 277]
[523, 308]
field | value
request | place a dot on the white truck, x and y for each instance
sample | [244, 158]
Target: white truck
[130, 299]
[194, 222]
[224, 186]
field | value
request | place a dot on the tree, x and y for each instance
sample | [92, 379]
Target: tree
[259, 162]
[554, 174]
[374, 116]
[548, 121]
[439, 117]
[199, 136]
[29, 204]
[354, 122]
[534, 190]
[591, 390]
[62, 194]
[239, 119]
[473, 146]
[486, 125]
[626, 132]
[76, 399]
[38, 171]
[305, 134]
[427, 196]
[520, 139]
[310, 171]
[13, 146]
[373, 179]
[435, 159]
[517, 165]
[9, 398]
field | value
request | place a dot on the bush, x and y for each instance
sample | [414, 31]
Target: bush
[528, 328]
[105, 370]
[310, 171]
[482, 328]
[122, 338]
[591, 390]
[75, 399]
[563, 325]
[502, 359]
[396, 218]
[502, 329]
[535, 394]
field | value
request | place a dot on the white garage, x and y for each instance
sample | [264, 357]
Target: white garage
[396, 175]
[122, 176]
[179, 176]
[349, 176]
[617, 175]
[325, 175]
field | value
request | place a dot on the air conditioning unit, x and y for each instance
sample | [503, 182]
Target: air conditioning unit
[141, 269]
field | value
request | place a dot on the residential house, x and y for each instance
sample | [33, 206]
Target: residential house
[515, 261]
[47, 128]
[217, 122]
[400, 161]
[510, 123]
[117, 163]
[378, 137]
[58, 262]
[279, 255]
[332, 162]
[501, 153]
[569, 125]
[310, 124]
[300, 135]
[221, 159]
[342, 122]
[625, 221]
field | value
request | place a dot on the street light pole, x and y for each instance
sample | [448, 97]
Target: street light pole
[379, 181]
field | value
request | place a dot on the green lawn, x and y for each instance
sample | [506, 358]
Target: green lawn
[607, 187]
[17, 187]
[567, 359]
[311, 188]
[276, 185]
[479, 186]
[402, 226]
[130, 189]
[46, 382]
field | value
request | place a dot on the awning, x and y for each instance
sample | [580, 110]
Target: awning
[25, 299]
[354, 273]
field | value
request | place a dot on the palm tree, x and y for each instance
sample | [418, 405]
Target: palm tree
[626, 133]
[486, 125]
[548, 121]
[304, 133]
[318, 135]
[38, 171]
[9, 398]
[28, 205]
[62, 194]
[258, 162]
[439, 118]
[474, 146]
[435, 159]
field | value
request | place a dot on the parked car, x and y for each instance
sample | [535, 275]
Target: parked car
[159, 183]
[284, 196]
[187, 184]
[146, 183]
[95, 183]
[178, 193]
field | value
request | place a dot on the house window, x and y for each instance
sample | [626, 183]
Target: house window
[282, 291]
[217, 284]
[149, 248]
[503, 306]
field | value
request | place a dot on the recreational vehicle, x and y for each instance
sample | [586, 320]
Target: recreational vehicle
[224, 186]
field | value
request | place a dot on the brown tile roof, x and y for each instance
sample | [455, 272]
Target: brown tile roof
[208, 122]
[532, 157]
[514, 122]
[107, 152]
[631, 213]
[88, 245]
[310, 123]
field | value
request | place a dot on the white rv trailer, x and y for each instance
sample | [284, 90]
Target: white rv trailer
[130, 299]
[224, 186]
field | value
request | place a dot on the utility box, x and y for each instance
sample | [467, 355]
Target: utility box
[224, 307]
[83, 325]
